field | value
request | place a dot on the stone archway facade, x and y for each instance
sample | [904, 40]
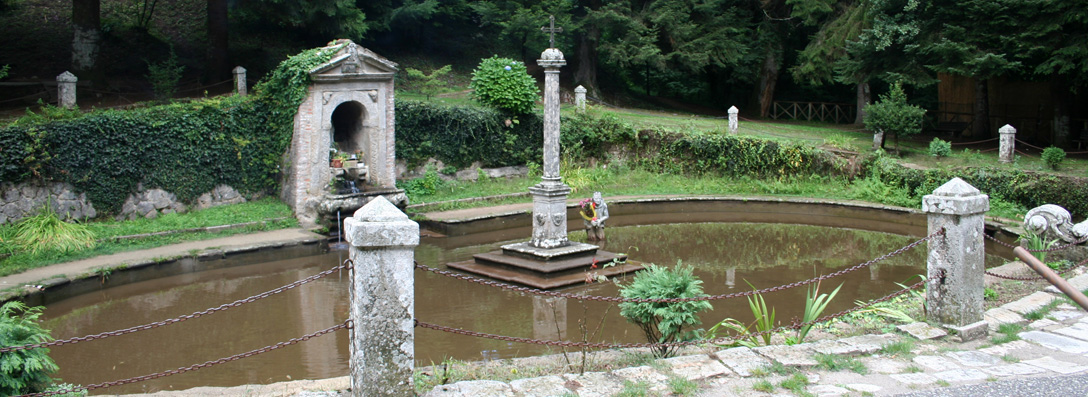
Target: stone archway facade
[358, 82]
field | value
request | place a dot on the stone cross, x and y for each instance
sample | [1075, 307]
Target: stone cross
[551, 31]
[550, 195]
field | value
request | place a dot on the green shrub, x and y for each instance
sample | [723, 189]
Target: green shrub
[24, 371]
[164, 76]
[939, 148]
[892, 115]
[461, 135]
[425, 185]
[664, 322]
[1053, 156]
[504, 84]
[429, 84]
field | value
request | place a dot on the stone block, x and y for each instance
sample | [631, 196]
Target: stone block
[1077, 330]
[696, 367]
[1057, 342]
[864, 388]
[866, 344]
[1030, 303]
[828, 390]
[922, 331]
[1043, 323]
[975, 359]
[643, 373]
[543, 386]
[483, 388]
[794, 356]
[1000, 315]
[1065, 315]
[936, 363]
[1013, 370]
[593, 384]
[917, 379]
[970, 332]
[742, 360]
[1051, 364]
[1006, 348]
[830, 346]
[961, 375]
[885, 366]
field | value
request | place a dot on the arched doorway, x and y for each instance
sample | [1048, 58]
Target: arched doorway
[347, 128]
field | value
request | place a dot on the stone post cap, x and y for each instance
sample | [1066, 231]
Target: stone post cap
[580, 89]
[956, 197]
[733, 110]
[379, 223]
[1007, 129]
[551, 57]
[67, 77]
[238, 70]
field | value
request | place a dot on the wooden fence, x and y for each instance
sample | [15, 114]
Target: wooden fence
[820, 111]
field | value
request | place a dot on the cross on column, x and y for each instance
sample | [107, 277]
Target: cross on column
[551, 31]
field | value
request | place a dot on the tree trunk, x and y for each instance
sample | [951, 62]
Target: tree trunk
[768, 77]
[586, 74]
[980, 126]
[864, 96]
[87, 21]
[218, 66]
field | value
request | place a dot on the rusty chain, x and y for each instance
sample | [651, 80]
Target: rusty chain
[722, 340]
[515, 288]
[251, 353]
[1053, 249]
[347, 264]
[1001, 276]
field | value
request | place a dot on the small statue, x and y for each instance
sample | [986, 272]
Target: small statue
[594, 212]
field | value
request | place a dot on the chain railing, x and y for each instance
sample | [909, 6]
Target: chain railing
[347, 264]
[251, 353]
[722, 340]
[617, 299]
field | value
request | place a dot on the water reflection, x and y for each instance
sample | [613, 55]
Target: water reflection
[727, 257]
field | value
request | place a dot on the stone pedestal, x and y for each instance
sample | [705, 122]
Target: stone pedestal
[66, 90]
[383, 242]
[580, 98]
[956, 298]
[239, 80]
[733, 123]
[1008, 143]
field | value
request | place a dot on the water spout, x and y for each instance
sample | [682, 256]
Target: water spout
[351, 186]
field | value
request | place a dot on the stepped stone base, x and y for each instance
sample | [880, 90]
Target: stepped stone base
[542, 268]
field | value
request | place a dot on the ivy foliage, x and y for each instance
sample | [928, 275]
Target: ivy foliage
[664, 322]
[461, 135]
[186, 148]
[504, 84]
[25, 371]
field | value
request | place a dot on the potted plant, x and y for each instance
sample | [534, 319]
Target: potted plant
[337, 160]
[351, 162]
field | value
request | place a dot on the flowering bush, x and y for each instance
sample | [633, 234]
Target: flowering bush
[505, 84]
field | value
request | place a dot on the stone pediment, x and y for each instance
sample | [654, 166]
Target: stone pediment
[354, 62]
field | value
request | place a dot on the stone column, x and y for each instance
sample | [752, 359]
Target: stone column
[239, 80]
[383, 242]
[66, 90]
[1008, 143]
[733, 124]
[550, 195]
[955, 299]
[580, 98]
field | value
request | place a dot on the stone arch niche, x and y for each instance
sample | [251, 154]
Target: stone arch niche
[349, 109]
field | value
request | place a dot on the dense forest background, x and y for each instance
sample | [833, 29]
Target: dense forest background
[708, 53]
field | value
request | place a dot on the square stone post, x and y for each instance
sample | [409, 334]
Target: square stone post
[66, 90]
[955, 299]
[733, 124]
[239, 80]
[1008, 143]
[580, 98]
[383, 242]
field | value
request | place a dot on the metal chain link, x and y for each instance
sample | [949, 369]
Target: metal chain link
[347, 264]
[988, 273]
[1053, 249]
[515, 288]
[722, 340]
[251, 353]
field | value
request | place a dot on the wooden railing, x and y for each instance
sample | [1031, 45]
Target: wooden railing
[820, 111]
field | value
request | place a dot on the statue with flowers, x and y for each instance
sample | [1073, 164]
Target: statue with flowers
[594, 212]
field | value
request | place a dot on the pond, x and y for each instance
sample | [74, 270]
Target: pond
[728, 257]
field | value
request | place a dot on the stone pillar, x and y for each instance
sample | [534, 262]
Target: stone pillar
[550, 195]
[1008, 143]
[580, 98]
[66, 90]
[239, 80]
[383, 242]
[955, 299]
[733, 124]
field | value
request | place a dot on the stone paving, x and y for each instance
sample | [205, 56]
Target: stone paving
[1053, 346]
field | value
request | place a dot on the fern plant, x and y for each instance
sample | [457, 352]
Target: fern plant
[24, 371]
[664, 322]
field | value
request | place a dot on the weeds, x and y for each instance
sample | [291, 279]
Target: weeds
[1007, 333]
[832, 362]
[898, 349]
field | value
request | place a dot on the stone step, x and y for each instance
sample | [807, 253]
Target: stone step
[499, 258]
[542, 280]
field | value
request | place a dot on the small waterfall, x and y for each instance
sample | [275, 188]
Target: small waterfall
[352, 188]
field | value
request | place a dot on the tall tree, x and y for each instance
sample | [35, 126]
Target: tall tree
[218, 68]
[838, 23]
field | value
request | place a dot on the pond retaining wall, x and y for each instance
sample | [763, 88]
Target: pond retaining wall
[21, 200]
